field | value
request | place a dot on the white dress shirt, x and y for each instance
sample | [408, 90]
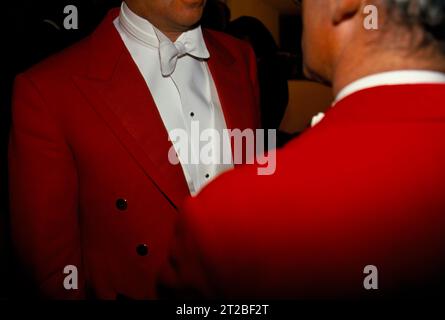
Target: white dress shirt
[401, 77]
[183, 89]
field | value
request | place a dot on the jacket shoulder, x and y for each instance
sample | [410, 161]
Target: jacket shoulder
[224, 37]
[229, 42]
[61, 65]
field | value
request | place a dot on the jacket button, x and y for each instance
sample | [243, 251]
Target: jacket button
[121, 204]
[142, 250]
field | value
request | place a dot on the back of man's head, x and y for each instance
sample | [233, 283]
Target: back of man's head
[425, 16]
[348, 39]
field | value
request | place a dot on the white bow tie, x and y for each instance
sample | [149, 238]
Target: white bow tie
[170, 52]
[189, 43]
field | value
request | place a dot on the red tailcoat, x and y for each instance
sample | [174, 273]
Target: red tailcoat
[90, 181]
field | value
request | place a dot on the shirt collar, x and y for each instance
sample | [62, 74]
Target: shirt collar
[147, 34]
[137, 27]
[391, 78]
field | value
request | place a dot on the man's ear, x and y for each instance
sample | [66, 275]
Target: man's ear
[344, 9]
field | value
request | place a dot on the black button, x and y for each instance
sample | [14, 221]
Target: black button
[142, 250]
[207, 176]
[121, 204]
[192, 114]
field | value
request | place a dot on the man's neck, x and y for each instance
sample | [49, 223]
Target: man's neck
[172, 35]
[353, 68]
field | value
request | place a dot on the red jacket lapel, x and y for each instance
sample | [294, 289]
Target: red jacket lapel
[232, 89]
[117, 91]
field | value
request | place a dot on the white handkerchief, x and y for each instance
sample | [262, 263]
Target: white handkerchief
[317, 119]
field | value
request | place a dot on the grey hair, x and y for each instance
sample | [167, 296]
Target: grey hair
[428, 14]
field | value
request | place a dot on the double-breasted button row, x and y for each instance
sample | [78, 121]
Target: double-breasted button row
[122, 205]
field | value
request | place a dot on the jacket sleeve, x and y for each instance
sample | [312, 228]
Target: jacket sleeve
[43, 196]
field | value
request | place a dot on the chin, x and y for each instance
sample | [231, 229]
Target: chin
[194, 3]
[187, 13]
[191, 19]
